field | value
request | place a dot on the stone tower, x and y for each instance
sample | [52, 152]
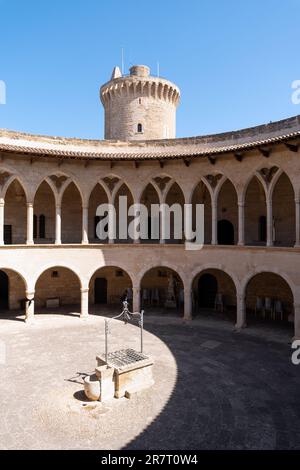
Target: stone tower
[139, 106]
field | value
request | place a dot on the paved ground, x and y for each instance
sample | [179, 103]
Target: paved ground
[214, 388]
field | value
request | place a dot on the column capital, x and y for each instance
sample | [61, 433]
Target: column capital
[30, 293]
[84, 290]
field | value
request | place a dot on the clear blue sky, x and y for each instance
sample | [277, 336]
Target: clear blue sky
[233, 60]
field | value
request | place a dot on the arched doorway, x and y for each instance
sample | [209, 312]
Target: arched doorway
[162, 291]
[123, 200]
[269, 299]
[214, 293]
[57, 290]
[3, 291]
[107, 288]
[207, 290]
[225, 232]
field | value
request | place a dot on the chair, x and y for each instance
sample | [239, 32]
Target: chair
[278, 310]
[219, 302]
[260, 305]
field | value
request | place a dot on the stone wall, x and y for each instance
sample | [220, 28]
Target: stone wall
[57, 283]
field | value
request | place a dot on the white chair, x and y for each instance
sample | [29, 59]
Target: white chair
[259, 305]
[278, 310]
[219, 302]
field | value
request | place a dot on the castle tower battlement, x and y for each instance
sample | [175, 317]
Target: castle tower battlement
[139, 106]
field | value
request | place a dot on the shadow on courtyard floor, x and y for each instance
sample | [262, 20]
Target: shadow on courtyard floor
[233, 391]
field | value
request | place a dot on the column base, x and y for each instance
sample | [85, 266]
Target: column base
[239, 327]
[84, 316]
[29, 320]
[84, 242]
[30, 242]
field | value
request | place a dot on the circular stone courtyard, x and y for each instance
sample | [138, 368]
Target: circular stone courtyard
[214, 388]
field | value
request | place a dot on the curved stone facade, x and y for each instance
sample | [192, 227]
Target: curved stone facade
[248, 182]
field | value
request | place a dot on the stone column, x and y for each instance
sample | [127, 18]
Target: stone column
[241, 240]
[84, 303]
[136, 299]
[269, 223]
[58, 225]
[297, 213]
[29, 240]
[1, 222]
[162, 224]
[214, 221]
[240, 312]
[85, 225]
[29, 309]
[187, 304]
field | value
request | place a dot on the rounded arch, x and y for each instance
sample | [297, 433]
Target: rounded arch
[48, 266]
[122, 191]
[58, 287]
[13, 289]
[167, 265]
[162, 287]
[18, 272]
[110, 285]
[267, 269]
[269, 295]
[214, 289]
[98, 196]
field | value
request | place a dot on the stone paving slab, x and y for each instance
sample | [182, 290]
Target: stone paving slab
[239, 391]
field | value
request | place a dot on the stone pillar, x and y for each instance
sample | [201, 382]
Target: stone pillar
[57, 225]
[241, 240]
[240, 312]
[297, 213]
[85, 225]
[29, 308]
[84, 303]
[296, 321]
[269, 223]
[29, 240]
[2, 222]
[187, 304]
[136, 299]
[214, 221]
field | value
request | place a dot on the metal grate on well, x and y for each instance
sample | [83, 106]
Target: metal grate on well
[125, 357]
